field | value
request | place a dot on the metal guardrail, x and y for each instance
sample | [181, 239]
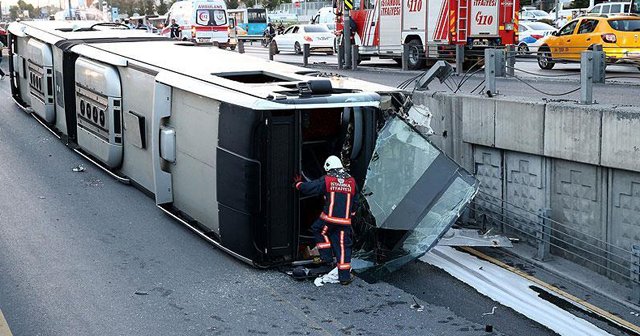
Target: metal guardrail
[549, 235]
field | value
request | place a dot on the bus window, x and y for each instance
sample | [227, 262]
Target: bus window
[257, 15]
[635, 7]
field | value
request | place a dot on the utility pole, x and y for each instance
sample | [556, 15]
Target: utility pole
[346, 33]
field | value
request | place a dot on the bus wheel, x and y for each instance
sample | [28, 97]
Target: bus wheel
[416, 55]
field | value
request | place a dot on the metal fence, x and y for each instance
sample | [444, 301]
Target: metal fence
[305, 10]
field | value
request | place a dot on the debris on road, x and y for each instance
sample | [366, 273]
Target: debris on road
[78, 168]
[417, 306]
[493, 311]
[331, 277]
[141, 293]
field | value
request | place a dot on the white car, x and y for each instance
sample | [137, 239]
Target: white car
[535, 15]
[319, 37]
[531, 35]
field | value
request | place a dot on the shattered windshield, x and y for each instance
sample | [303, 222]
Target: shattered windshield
[414, 194]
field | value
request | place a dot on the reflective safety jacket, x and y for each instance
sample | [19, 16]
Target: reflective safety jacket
[339, 197]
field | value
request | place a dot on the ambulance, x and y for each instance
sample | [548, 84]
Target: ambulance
[432, 28]
[202, 22]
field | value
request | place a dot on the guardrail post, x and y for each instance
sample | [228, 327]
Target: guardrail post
[586, 77]
[543, 236]
[459, 59]
[635, 273]
[599, 64]
[511, 60]
[490, 70]
[354, 57]
[306, 50]
[271, 51]
[405, 56]
[341, 56]
[240, 46]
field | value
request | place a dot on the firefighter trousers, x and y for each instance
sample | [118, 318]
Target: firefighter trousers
[334, 240]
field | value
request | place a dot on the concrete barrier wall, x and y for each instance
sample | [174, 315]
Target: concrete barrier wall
[580, 162]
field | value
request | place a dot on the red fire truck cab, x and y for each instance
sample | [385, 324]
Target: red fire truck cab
[431, 27]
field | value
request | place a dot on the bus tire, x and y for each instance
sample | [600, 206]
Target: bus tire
[417, 59]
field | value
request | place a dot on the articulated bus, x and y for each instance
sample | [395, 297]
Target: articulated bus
[216, 144]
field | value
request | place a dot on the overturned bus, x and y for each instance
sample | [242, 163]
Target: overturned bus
[217, 139]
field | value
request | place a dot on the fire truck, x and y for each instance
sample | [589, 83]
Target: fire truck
[431, 28]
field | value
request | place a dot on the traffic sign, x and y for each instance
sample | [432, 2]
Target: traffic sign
[348, 4]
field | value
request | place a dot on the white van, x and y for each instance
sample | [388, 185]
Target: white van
[610, 8]
[200, 21]
[324, 15]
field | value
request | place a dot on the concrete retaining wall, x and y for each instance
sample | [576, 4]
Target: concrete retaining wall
[580, 162]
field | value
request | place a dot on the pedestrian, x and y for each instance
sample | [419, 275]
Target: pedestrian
[2, 74]
[280, 28]
[332, 230]
[175, 29]
[141, 25]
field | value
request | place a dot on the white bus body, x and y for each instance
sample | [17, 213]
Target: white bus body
[216, 143]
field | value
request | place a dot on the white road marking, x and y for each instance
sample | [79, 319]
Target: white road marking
[4, 326]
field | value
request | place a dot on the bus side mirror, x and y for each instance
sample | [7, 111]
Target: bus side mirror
[335, 4]
[232, 22]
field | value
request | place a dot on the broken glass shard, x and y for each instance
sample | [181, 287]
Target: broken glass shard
[413, 193]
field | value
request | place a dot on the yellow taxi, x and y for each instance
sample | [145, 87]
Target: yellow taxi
[618, 35]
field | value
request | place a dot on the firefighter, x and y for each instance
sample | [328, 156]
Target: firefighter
[332, 230]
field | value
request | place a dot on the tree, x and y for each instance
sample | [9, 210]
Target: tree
[162, 8]
[13, 12]
[148, 7]
[579, 4]
[272, 4]
[232, 4]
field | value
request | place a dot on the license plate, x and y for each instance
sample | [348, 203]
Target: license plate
[480, 43]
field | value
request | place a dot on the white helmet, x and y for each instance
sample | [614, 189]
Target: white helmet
[333, 162]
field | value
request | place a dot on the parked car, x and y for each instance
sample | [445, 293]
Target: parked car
[535, 15]
[531, 35]
[319, 37]
[618, 36]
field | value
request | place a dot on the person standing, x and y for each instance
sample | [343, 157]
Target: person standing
[2, 74]
[332, 230]
[175, 29]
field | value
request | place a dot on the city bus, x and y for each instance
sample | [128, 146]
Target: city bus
[216, 144]
[253, 20]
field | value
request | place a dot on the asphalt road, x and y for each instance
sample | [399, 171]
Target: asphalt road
[530, 81]
[81, 254]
